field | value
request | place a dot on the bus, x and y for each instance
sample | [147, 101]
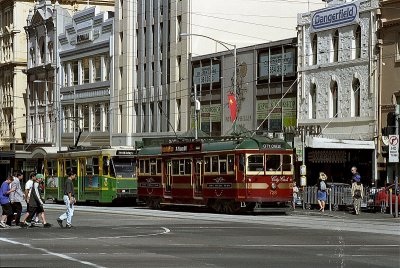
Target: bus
[227, 175]
[103, 175]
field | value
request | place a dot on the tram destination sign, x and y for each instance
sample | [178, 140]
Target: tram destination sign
[181, 148]
[126, 152]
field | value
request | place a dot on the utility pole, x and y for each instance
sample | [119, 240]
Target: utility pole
[396, 175]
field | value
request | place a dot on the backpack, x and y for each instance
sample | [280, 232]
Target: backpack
[357, 193]
[322, 186]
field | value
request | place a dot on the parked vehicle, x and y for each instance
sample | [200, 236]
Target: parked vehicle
[383, 196]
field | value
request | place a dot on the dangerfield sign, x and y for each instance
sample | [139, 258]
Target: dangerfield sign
[335, 17]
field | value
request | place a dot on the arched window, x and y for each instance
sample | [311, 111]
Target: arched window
[358, 42]
[335, 44]
[356, 98]
[314, 49]
[334, 99]
[313, 101]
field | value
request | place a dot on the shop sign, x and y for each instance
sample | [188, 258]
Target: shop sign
[4, 162]
[327, 156]
[202, 75]
[335, 17]
[286, 109]
[271, 65]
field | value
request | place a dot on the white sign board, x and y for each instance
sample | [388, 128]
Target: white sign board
[393, 148]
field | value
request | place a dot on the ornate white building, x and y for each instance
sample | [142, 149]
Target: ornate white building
[86, 50]
[337, 88]
[44, 24]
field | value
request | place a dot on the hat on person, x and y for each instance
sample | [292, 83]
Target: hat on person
[39, 176]
[357, 178]
[322, 176]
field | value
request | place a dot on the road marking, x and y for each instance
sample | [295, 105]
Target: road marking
[63, 256]
[166, 230]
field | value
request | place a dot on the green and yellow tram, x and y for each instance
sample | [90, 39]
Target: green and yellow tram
[103, 175]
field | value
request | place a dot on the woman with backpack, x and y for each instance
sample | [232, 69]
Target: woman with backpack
[357, 192]
[321, 193]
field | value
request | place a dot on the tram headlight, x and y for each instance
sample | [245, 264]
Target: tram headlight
[273, 186]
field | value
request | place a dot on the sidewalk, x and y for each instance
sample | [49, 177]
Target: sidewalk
[365, 215]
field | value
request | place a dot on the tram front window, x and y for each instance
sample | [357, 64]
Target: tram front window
[124, 168]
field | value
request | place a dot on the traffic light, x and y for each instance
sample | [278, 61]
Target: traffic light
[391, 124]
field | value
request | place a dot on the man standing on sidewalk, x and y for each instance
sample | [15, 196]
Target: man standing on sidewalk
[69, 200]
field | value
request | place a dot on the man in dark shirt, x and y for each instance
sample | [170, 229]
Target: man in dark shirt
[69, 200]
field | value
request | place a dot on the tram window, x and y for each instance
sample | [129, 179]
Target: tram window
[95, 166]
[175, 167]
[286, 163]
[273, 163]
[89, 166]
[106, 165]
[146, 166]
[153, 166]
[222, 167]
[158, 166]
[52, 168]
[255, 162]
[141, 166]
[231, 163]
[241, 162]
[74, 164]
[68, 165]
[214, 164]
[181, 167]
[188, 166]
[207, 164]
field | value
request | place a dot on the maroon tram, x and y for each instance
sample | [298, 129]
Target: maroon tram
[247, 173]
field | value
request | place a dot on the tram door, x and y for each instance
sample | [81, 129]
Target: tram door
[198, 178]
[81, 177]
[168, 177]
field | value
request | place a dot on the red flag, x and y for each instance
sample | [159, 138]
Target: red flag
[232, 106]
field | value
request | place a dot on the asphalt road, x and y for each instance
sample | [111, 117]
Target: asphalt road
[137, 237]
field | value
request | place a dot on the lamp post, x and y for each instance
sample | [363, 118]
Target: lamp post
[59, 109]
[224, 44]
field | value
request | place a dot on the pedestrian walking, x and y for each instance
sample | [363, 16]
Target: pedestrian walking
[36, 204]
[5, 202]
[16, 198]
[357, 192]
[321, 193]
[69, 200]
[28, 187]
[295, 195]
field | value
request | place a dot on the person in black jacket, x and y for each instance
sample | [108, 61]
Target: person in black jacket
[36, 203]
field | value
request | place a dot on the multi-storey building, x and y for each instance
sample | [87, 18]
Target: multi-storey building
[265, 92]
[86, 50]
[338, 90]
[45, 23]
[12, 78]
[152, 90]
[389, 82]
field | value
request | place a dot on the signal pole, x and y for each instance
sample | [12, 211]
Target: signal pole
[396, 175]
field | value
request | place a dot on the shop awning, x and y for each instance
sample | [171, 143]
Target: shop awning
[325, 143]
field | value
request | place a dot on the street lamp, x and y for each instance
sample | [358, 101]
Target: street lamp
[224, 44]
[59, 109]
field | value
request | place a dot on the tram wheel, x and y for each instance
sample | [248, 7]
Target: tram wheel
[153, 203]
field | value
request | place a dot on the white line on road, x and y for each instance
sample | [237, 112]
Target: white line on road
[166, 230]
[63, 256]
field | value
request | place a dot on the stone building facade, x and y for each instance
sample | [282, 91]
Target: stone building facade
[338, 90]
